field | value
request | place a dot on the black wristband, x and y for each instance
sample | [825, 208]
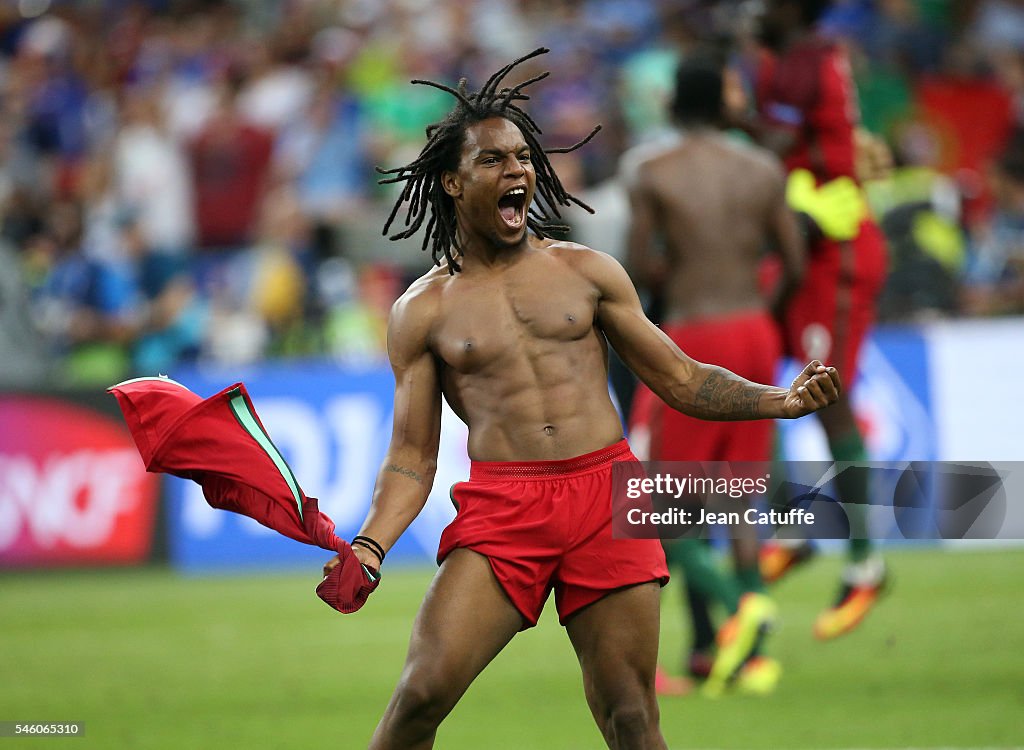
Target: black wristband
[370, 544]
[364, 545]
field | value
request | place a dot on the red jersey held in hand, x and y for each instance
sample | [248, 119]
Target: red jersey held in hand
[221, 444]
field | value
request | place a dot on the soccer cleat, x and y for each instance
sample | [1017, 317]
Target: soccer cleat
[666, 684]
[863, 583]
[738, 640]
[759, 676]
[776, 560]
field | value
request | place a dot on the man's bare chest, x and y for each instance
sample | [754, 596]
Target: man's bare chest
[507, 323]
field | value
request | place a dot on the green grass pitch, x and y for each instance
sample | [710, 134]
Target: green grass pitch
[151, 659]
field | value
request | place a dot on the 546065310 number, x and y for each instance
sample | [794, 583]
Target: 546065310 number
[50, 728]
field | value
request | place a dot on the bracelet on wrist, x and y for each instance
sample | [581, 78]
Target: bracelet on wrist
[367, 543]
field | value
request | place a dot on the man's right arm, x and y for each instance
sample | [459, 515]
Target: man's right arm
[407, 473]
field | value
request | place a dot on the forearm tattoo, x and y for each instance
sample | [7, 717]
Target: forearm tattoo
[727, 397]
[395, 468]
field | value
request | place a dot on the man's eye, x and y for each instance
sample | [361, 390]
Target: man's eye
[525, 158]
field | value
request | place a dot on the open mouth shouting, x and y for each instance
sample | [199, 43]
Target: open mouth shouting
[512, 208]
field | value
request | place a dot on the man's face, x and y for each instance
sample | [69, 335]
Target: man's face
[494, 182]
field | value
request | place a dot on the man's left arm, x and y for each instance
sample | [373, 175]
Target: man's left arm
[694, 388]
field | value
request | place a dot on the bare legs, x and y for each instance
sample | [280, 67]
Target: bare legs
[466, 619]
[464, 622]
[616, 641]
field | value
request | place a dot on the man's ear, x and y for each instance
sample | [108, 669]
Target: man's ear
[451, 183]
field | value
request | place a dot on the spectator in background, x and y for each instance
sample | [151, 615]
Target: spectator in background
[74, 301]
[57, 95]
[153, 300]
[324, 153]
[152, 177]
[21, 183]
[280, 265]
[397, 115]
[256, 292]
[22, 360]
[230, 160]
[918, 209]
[184, 60]
[279, 88]
[994, 278]
[357, 307]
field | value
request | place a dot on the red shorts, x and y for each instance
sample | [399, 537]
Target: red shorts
[746, 343]
[829, 316]
[548, 524]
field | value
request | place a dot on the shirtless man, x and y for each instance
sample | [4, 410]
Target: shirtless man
[512, 329]
[715, 205]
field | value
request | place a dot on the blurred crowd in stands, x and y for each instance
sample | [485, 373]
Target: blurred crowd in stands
[188, 180]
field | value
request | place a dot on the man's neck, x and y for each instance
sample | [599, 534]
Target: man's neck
[698, 130]
[481, 254]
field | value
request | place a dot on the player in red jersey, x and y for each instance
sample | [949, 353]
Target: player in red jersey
[807, 113]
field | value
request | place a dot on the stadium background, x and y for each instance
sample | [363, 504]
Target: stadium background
[188, 188]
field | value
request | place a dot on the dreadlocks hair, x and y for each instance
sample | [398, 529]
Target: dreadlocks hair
[422, 177]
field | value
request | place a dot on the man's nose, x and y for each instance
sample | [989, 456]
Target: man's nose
[513, 166]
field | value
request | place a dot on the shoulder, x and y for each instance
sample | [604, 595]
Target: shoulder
[635, 164]
[423, 290]
[758, 160]
[597, 267]
[571, 253]
[413, 314]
